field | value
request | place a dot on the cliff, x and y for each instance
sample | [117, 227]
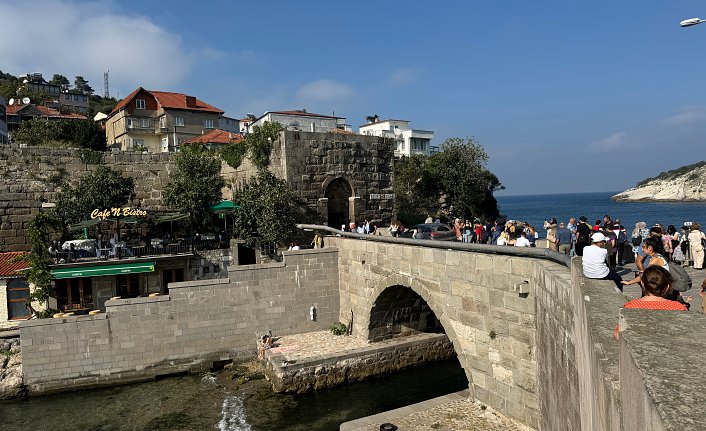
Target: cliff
[687, 183]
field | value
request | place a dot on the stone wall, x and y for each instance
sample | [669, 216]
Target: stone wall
[357, 364]
[31, 175]
[199, 322]
[309, 161]
[491, 326]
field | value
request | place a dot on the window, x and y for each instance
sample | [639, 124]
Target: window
[162, 121]
[208, 124]
[76, 97]
[17, 294]
[127, 285]
[138, 142]
[178, 121]
[140, 103]
[85, 98]
[67, 96]
[144, 123]
[72, 293]
[128, 123]
[171, 276]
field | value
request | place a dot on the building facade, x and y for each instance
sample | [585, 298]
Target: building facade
[300, 120]
[14, 289]
[18, 113]
[159, 121]
[74, 100]
[408, 141]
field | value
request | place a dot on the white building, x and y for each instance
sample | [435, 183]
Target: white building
[302, 120]
[409, 141]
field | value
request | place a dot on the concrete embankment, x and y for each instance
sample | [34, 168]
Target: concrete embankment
[298, 369]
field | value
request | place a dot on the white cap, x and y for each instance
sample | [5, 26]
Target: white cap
[598, 237]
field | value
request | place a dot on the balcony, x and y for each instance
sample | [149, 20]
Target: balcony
[422, 134]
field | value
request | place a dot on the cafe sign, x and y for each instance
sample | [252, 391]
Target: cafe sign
[118, 212]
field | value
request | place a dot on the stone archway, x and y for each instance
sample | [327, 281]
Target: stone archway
[442, 314]
[399, 311]
[338, 193]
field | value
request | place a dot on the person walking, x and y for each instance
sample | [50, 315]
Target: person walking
[583, 235]
[696, 245]
[551, 226]
[563, 239]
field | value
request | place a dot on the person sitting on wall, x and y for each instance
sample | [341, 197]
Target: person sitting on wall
[594, 261]
[657, 287]
[265, 343]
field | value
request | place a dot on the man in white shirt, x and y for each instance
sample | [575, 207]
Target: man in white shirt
[594, 261]
[522, 241]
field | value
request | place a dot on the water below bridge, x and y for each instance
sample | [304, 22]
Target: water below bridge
[197, 402]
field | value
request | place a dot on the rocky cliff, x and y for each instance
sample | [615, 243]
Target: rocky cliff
[687, 183]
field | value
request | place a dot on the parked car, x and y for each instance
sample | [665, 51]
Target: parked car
[436, 231]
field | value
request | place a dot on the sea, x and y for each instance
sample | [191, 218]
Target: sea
[534, 209]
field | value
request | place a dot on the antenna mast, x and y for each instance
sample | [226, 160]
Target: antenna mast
[106, 91]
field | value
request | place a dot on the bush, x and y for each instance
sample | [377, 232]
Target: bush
[338, 328]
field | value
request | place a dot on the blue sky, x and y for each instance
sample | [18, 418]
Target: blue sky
[564, 96]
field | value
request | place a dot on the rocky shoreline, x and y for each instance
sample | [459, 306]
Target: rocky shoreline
[685, 184]
[11, 384]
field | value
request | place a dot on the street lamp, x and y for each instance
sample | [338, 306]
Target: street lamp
[691, 21]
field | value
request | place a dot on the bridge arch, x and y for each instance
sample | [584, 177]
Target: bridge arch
[425, 291]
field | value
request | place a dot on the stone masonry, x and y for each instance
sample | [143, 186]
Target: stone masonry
[198, 323]
[491, 327]
[32, 175]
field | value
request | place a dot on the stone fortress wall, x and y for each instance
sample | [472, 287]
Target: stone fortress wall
[32, 175]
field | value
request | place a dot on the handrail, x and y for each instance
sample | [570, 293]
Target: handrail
[541, 253]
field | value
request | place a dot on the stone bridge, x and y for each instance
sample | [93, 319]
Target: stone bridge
[533, 336]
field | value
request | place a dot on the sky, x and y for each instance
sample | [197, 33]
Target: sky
[564, 96]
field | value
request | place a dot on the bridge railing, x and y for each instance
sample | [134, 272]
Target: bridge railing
[541, 253]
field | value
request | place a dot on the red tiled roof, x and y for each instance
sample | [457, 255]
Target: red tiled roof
[216, 136]
[170, 100]
[45, 111]
[343, 132]
[9, 268]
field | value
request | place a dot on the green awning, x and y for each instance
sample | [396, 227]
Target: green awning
[98, 271]
[84, 224]
[224, 207]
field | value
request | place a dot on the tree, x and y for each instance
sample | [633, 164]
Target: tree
[80, 84]
[257, 144]
[83, 134]
[98, 104]
[416, 192]
[269, 210]
[461, 174]
[61, 81]
[103, 188]
[453, 182]
[196, 185]
[9, 85]
[36, 131]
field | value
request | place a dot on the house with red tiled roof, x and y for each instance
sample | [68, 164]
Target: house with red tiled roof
[216, 138]
[14, 289]
[302, 120]
[159, 121]
[18, 113]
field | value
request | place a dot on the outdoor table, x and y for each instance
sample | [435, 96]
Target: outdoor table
[80, 244]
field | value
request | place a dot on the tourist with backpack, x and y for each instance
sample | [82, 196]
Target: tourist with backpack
[621, 233]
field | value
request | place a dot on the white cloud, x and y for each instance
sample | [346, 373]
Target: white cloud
[404, 76]
[324, 90]
[87, 39]
[689, 115]
[616, 141]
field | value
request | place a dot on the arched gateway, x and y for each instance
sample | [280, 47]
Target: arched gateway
[338, 192]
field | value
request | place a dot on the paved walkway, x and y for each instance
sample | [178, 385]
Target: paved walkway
[452, 412]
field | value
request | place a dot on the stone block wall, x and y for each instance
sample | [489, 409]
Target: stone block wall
[308, 161]
[199, 322]
[32, 175]
[491, 326]
[333, 370]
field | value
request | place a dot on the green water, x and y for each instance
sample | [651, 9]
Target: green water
[199, 403]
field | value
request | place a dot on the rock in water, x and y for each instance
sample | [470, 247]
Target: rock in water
[687, 183]
[11, 385]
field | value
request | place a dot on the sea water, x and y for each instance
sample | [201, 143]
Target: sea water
[534, 209]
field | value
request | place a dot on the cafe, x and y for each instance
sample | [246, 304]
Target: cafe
[127, 253]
